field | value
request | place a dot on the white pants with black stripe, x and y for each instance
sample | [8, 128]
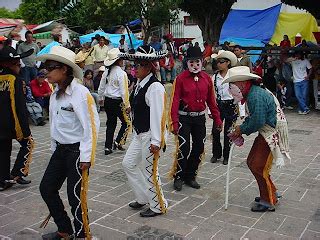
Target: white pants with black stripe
[142, 173]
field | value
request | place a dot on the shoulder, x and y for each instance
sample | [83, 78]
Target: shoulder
[184, 74]
[79, 90]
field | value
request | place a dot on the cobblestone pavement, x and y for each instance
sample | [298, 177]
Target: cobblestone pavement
[193, 214]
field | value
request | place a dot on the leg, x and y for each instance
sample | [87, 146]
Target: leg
[183, 150]
[163, 74]
[40, 100]
[50, 185]
[216, 144]
[173, 74]
[198, 133]
[130, 165]
[230, 119]
[259, 162]
[305, 94]
[298, 92]
[5, 153]
[21, 165]
[123, 132]
[25, 75]
[315, 93]
[110, 107]
[74, 181]
[149, 163]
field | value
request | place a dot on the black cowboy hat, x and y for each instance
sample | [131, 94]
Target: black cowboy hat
[144, 53]
[8, 53]
[194, 53]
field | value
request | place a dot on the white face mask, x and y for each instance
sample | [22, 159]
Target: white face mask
[194, 66]
[236, 93]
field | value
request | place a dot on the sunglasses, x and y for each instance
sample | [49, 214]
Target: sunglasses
[50, 68]
[137, 65]
[222, 61]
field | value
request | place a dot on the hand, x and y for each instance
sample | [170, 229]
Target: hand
[128, 110]
[219, 128]
[84, 165]
[237, 132]
[101, 102]
[154, 149]
[210, 116]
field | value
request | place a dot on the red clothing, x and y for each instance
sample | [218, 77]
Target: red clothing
[39, 91]
[285, 43]
[258, 70]
[207, 51]
[191, 96]
[162, 62]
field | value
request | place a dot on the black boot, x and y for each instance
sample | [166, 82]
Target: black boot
[177, 184]
[193, 183]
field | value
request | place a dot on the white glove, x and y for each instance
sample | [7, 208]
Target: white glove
[280, 163]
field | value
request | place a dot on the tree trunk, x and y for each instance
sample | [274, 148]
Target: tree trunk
[211, 28]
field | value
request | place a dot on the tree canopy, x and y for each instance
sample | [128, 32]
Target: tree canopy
[5, 13]
[309, 5]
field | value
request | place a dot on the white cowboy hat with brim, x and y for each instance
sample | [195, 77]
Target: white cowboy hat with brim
[238, 74]
[227, 55]
[146, 53]
[112, 56]
[65, 56]
[102, 69]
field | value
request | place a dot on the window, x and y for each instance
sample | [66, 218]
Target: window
[189, 21]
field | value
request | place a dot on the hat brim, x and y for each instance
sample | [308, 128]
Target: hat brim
[77, 71]
[239, 78]
[18, 56]
[108, 62]
[233, 60]
[146, 57]
[194, 58]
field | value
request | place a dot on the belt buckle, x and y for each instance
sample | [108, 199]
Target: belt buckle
[193, 114]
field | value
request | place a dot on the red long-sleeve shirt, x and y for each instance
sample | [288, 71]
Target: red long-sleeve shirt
[39, 91]
[194, 96]
[162, 62]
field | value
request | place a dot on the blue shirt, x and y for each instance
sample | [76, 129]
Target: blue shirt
[157, 46]
[262, 110]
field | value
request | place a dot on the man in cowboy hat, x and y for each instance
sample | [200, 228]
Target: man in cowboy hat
[14, 119]
[149, 123]
[192, 92]
[265, 116]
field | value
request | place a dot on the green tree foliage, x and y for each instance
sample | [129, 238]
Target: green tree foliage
[311, 6]
[5, 13]
[209, 14]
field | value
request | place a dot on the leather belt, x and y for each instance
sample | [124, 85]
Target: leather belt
[192, 114]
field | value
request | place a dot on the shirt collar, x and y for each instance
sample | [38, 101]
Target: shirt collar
[69, 89]
[145, 80]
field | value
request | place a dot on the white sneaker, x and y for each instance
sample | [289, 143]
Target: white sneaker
[302, 113]
[288, 107]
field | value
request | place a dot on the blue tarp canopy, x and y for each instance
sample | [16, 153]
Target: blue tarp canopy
[47, 48]
[114, 38]
[135, 22]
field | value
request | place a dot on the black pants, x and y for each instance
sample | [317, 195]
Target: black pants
[114, 110]
[64, 164]
[228, 114]
[21, 165]
[188, 162]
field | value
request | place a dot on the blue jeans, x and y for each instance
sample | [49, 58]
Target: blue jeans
[28, 74]
[302, 89]
[163, 73]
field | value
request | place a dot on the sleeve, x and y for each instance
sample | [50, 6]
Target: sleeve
[89, 118]
[174, 103]
[19, 50]
[21, 109]
[93, 54]
[35, 90]
[212, 104]
[123, 84]
[256, 118]
[102, 85]
[214, 91]
[156, 98]
[242, 109]
[162, 63]
[48, 89]
[309, 66]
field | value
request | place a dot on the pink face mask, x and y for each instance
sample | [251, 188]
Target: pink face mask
[194, 66]
[236, 93]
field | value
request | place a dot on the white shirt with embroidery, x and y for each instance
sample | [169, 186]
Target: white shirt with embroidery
[71, 121]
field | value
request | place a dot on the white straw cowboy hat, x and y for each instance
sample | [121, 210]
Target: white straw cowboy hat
[238, 74]
[146, 53]
[227, 55]
[102, 69]
[65, 56]
[112, 56]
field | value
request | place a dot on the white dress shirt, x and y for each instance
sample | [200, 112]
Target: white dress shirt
[223, 89]
[70, 119]
[116, 87]
[154, 98]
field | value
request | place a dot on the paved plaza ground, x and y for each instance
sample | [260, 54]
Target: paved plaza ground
[193, 214]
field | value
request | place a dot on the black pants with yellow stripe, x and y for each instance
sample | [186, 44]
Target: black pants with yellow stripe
[64, 164]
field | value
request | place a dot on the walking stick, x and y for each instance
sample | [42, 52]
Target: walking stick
[228, 177]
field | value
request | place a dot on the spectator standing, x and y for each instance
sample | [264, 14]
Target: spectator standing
[29, 71]
[301, 80]
[95, 40]
[97, 79]
[167, 66]
[88, 83]
[243, 60]
[40, 89]
[85, 56]
[99, 54]
[123, 46]
[155, 43]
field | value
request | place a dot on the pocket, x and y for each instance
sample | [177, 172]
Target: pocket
[66, 119]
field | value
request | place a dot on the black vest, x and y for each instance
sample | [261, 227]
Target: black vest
[140, 110]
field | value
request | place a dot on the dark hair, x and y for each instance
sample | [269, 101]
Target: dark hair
[87, 72]
[27, 33]
[67, 82]
[55, 37]
[237, 46]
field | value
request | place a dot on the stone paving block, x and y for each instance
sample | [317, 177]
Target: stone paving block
[103, 207]
[315, 221]
[229, 218]
[105, 233]
[207, 208]
[310, 235]
[292, 227]
[109, 198]
[146, 232]
[119, 224]
[188, 204]
[270, 222]
[268, 235]
[26, 234]
[230, 232]
[285, 179]
[205, 231]
[293, 212]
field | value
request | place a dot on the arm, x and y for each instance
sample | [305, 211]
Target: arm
[309, 67]
[156, 97]
[175, 101]
[123, 84]
[102, 86]
[35, 90]
[162, 63]
[171, 62]
[256, 118]
[89, 118]
[93, 54]
[212, 104]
